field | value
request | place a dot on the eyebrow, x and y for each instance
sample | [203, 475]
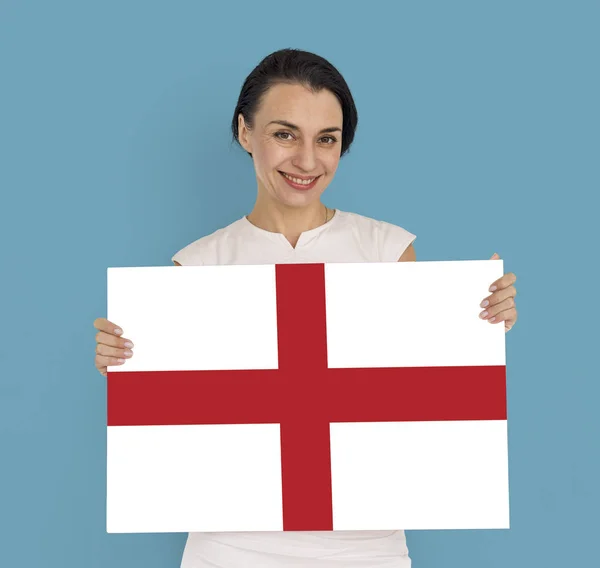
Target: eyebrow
[294, 127]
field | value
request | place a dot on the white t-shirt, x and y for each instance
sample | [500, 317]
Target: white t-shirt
[347, 237]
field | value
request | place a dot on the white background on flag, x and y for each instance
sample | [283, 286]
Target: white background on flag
[196, 317]
[194, 478]
[422, 314]
[420, 475]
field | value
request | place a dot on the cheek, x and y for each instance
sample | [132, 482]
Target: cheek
[332, 164]
[270, 156]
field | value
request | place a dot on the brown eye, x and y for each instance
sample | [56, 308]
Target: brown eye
[333, 140]
[279, 134]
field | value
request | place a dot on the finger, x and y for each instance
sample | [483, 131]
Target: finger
[107, 326]
[103, 361]
[506, 280]
[495, 256]
[113, 340]
[509, 316]
[102, 349]
[492, 311]
[498, 296]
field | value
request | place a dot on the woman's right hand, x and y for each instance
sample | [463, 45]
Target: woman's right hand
[111, 348]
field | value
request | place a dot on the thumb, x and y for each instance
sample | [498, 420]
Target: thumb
[495, 256]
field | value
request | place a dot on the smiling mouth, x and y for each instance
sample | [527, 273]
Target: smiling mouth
[299, 181]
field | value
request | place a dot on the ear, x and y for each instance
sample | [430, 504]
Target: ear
[244, 134]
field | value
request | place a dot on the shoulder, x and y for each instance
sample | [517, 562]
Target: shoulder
[391, 241]
[202, 250]
[375, 226]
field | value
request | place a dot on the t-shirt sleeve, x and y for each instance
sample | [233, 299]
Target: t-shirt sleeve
[187, 256]
[393, 241]
[178, 257]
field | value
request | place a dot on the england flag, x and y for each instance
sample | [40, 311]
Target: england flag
[307, 397]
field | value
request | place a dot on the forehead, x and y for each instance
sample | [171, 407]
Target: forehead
[301, 106]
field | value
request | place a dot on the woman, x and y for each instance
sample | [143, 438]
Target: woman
[296, 117]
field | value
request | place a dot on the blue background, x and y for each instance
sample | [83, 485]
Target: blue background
[478, 132]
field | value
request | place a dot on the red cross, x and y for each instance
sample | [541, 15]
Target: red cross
[304, 396]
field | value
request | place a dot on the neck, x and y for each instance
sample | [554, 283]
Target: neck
[289, 221]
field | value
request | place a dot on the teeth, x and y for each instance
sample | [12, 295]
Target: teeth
[299, 181]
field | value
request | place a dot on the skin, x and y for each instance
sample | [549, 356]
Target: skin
[306, 151]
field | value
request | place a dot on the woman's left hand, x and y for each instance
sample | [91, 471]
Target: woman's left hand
[500, 305]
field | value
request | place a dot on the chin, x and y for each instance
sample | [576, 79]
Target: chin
[300, 199]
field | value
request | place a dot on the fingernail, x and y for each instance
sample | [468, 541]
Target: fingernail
[492, 319]
[118, 331]
[130, 345]
[128, 353]
[483, 314]
[120, 361]
[492, 288]
[484, 303]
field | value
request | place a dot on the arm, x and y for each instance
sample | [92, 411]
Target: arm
[176, 263]
[408, 255]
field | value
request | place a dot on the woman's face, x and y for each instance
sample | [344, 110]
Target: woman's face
[307, 146]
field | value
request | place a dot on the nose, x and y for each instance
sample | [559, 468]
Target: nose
[306, 158]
